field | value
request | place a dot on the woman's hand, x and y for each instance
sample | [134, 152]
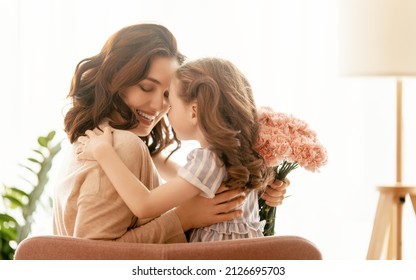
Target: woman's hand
[275, 193]
[200, 211]
[90, 144]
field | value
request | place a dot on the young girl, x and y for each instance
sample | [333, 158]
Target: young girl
[211, 102]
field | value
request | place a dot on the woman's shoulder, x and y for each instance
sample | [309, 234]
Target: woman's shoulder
[126, 139]
[129, 145]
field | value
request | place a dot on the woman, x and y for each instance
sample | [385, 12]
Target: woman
[125, 86]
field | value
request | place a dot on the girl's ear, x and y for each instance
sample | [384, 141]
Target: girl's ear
[194, 113]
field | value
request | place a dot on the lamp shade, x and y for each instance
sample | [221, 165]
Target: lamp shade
[378, 37]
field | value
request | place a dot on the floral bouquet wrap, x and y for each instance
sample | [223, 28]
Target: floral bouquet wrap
[285, 143]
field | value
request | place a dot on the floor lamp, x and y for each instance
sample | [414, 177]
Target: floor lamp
[378, 38]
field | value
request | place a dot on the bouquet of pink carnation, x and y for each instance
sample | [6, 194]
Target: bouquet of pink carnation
[285, 143]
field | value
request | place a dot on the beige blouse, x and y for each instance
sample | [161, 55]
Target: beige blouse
[86, 204]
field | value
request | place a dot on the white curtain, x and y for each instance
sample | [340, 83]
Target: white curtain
[289, 52]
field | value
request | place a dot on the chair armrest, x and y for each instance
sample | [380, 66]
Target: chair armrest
[272, 247]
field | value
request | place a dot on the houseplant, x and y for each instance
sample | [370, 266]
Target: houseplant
[21, 201]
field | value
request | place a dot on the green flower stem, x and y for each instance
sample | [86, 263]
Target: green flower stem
[266, 212]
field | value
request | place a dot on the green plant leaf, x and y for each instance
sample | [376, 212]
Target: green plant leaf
[14, 201]
[16, 191]
[43, 141]
[34, 160]
[9, 233]
[38, 152]
[51, 135]
[7, 218]
[28, 168]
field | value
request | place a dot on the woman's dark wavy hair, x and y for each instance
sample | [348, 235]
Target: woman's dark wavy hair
[98, 82]
[227, 117]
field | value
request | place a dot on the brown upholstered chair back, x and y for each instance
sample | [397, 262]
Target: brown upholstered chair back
[63, 248]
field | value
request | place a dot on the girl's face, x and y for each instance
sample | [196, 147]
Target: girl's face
[149, 99]
[182, 117]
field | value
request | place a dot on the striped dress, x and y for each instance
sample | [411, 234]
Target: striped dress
[205, 171]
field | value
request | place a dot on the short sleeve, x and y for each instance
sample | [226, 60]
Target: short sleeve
[203, 170]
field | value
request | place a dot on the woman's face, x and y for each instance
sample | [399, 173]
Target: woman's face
[149, 99]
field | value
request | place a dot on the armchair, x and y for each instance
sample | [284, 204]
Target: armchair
[272, 247]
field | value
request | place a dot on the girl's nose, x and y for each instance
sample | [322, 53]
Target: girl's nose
[160, 102]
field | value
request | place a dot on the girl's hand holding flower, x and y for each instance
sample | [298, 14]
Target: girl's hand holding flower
[275, 193]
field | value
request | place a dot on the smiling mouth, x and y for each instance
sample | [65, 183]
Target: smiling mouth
[146, 116]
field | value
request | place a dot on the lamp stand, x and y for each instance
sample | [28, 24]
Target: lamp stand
[387, 229]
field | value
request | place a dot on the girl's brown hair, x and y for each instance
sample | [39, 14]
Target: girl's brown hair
[98, 81]
[227, 116]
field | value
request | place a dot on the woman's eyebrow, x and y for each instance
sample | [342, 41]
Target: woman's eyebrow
[153, 80]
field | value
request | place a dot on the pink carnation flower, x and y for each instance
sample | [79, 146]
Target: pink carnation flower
[282, 137]
[285, 143]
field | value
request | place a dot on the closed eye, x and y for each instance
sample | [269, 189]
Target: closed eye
[146, 89]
